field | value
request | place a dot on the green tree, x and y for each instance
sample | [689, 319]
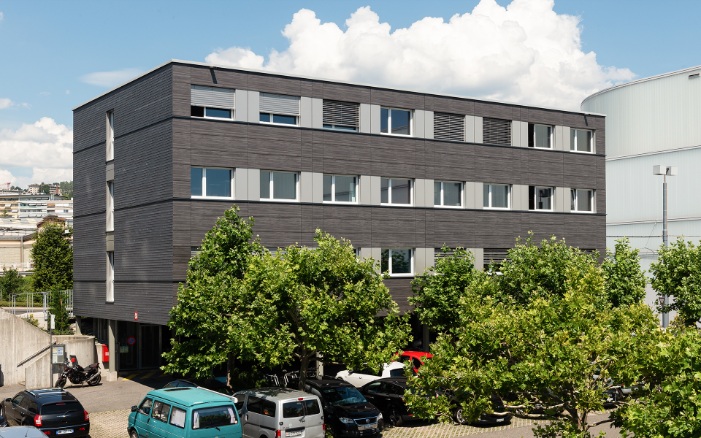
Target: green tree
[677, 273]
[11, 282]
[670, 404]
[438, 290]
[280, 308]
[208, 304]
[625, 279]
[540, 330]
[66, 189]
[52, 255]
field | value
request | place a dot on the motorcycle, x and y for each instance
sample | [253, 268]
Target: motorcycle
[76, 374]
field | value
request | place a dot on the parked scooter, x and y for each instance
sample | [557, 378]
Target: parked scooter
[76, 374]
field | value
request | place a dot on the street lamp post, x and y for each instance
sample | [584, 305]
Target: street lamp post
[665, 171]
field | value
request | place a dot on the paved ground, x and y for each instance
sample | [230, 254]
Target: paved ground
[109, 404]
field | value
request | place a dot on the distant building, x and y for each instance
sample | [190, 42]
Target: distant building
[34, 189]
[399, 173]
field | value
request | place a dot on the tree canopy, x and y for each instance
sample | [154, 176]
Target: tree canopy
[52, 255]
[281, 308]
[11, 282]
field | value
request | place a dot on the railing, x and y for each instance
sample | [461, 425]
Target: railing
[39, 301]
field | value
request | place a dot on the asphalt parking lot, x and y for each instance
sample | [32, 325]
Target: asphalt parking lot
[109, 404]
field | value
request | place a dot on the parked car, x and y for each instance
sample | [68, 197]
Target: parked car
[3, 421]
[184, 412]
[498, 417]
[346, 411]
[415, 358]
[360, 378]
[387, 394]
[53, 411]
[21, 432]
[211, 383]
[280, 412]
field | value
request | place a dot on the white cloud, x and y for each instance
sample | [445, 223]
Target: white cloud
[5, 103]
[45, 147]
[1, 16]
[111, 79]
[522, 53]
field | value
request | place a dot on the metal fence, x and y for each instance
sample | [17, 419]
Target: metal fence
[38, 301]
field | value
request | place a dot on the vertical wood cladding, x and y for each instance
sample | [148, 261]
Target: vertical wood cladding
[156, 143]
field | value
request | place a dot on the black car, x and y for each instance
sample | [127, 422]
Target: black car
[53, 411]
[498, 417]
[387, 394]
[347, 412]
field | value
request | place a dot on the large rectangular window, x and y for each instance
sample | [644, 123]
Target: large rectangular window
[540, 136]
[280, 186]
[279, 109]
[109, 208]
[397, 262]
[581, 140]
[109, 140]
[582, 200]
[450, 127]
[211, 182]
[497, 196]
[447, 194]
[396, 191]
[340, 188]
[540, 198]
[212, 102]
[395, 121]
[109, 278]
[341, 116]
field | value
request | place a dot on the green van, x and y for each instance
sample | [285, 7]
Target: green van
[186, 413]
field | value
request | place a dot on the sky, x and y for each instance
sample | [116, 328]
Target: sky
[56, 55]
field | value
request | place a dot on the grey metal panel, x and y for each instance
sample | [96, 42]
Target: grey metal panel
[423, 192]
[519, 197]
[109, 171]
[241, 184]
[242, 106]
[419, 122]
[367, 187]
[305, 112]
[429, 124]
[306, 182]
[365, 123]
[317, 113]
[561, 199]
[253, 184]
[470, 129]
[559, 143]
[253, 106]
[479, 130]
[374, 119]
[473, 195]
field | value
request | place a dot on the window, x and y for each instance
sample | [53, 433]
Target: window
[177, 417]
[397, 262]
[211, 182]
[540, 198]
[341, 116]
[109, 140]
[339, 188]
[279, 109]
[540, 136]
[275, 185]
[496, 131]
[109, 280]
[160, 411]
[395, 121]
[450, 127]
[395, 191]
[205, 418]
[582, 200]
[109, 208]
[581, 140]
[447, 194]
[497, 196]
[212, 102]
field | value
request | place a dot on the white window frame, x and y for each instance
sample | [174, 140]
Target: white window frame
[574, 147]
[442, 204]
[204, 183]
[551, 131]
[109, 140]
[271, 186]
[535, 198]
[389, 121]
[279, 102]
[389, 192]
[109, 208]
[412, 252]
[574, 197]
[333, 189]
[488, 200]
[109, 278]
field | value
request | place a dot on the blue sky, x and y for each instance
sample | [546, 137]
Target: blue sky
[57, 55]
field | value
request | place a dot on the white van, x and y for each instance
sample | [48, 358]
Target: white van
[280, 412]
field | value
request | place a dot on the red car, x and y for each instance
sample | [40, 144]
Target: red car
[416, 358]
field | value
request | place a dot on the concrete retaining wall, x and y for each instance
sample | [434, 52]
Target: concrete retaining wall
[20, 340]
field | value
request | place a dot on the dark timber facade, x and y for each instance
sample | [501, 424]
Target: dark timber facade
[399, 173]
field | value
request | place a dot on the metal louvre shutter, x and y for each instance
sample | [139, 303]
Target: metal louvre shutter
[211, 97]
[279, 104]
[449, 127]
[341, 113]
[495, 255]
[496, 131]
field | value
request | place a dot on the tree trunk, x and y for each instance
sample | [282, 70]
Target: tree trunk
[304, 366]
